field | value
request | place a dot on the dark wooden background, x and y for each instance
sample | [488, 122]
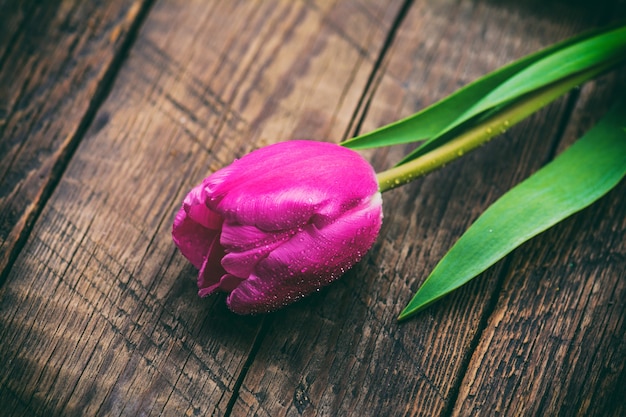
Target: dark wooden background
[110, 111]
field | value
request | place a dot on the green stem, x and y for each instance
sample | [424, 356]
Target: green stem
[483, 132]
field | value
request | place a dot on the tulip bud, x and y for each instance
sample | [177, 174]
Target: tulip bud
[279, 223]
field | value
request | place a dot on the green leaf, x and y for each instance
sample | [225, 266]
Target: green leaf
[477, 135]
[604, 50]
[575, 179]
[443, 115]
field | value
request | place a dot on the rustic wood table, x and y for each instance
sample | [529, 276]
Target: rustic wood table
[111, 111]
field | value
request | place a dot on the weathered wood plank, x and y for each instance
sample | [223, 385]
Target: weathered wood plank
[556, 341]
[341, 353]
[99, 314]
[14, 15]
[54, 59]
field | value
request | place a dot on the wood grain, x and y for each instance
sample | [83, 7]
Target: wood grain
[555, 343]
[55, 60]
[343, 354]
[100, 142]
[99, 312]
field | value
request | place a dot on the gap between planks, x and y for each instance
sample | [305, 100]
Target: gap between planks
[100, 95]
[354, 127]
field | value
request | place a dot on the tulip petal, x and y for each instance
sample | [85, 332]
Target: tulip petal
[195, 207]
[282, 186]
[195, 227]
[241, 237]
[226, 283]
[211, 271]
[308, 261]
[279, 223]
[242, 263]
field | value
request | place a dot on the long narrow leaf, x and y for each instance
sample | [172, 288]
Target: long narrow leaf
[607, 49]
[547, 93]
[575, 179]
[439, 116]
[480, 133]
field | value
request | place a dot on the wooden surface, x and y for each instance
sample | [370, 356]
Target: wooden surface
[111, 111]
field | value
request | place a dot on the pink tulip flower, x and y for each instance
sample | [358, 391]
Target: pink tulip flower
[279, 223]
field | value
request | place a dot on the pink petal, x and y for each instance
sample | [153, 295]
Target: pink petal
[279, 223]
[310, 260]
[211, 270]
[226, 283]
[195, 227]
[195, 207]
[240, 237]
[282, 186]
[242, 263]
